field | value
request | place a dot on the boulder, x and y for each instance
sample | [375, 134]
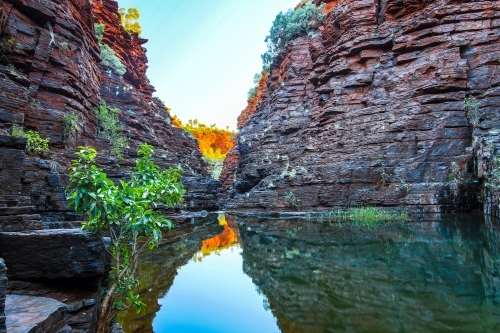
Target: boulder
[29, 314]
[52, 254]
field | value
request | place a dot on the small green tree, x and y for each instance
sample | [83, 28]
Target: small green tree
[126, 213]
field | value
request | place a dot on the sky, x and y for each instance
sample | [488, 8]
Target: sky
[203, 55]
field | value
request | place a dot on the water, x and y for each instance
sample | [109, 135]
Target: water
[233, 274]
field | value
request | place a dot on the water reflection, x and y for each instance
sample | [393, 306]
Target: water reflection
[437, 275]
[227, 239]
[423, 277]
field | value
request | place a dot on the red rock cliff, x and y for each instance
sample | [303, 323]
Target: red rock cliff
[49, 67]
[370, 112]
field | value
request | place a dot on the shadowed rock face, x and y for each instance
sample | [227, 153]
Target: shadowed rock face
[369, 111]
[49, 67]
[3, 288]
[52, 254]
[425, 277]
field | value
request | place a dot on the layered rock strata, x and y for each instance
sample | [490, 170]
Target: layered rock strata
[369, 110]
[50, 67]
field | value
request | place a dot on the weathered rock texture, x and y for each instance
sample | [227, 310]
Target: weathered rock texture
[49, 67]
[3, 290]
[370, 110]
[28, 314]
[52, 254]
[319, 277]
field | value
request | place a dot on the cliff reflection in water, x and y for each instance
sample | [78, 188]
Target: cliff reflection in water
[158, 269]
[225, 240]
[438, 275]
[423, 277]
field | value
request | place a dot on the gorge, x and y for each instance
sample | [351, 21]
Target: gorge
[390, 103]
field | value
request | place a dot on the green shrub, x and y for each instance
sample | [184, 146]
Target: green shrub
[36, 144]
[99, 31]
[292, 200]
[290, 25]
[251, 93]
[126, 213]
[109, 128]
[70, 125]
[111, 61]
[214, 166]
[471, 106]
[108, 56]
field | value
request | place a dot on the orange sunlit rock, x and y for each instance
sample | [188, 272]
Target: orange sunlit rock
[214, 142]
[224, 240]
[252, 102]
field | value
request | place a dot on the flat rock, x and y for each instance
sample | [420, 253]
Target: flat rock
[29, 314]
[52, 254]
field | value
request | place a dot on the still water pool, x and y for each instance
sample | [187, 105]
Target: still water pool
[241, 274]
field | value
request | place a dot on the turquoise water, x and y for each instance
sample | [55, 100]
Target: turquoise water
[214, 296]
[436, 274]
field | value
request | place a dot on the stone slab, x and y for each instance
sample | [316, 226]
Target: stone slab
[52, 254]
[30, 314]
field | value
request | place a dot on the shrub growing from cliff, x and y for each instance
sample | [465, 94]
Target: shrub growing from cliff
[111, 61]
[108, 56]
[290, 25]
[126, 213]
[70, 126]
[36, 145]
[109, 128]
[99, 31]
[129, 19]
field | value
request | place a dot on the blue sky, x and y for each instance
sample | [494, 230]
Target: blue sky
[203, 54]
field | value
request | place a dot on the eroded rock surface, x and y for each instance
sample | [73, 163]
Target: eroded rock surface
[369, 110]
[52, 254]
[28, 314]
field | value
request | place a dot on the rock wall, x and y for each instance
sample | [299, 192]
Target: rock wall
[3, 289]
[49, 67]
[369, 111]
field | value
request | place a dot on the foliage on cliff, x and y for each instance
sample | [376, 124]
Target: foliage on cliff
[129, 18]
[254, 97]
[214, 142]
[290, 25]
[108, 56]
[35, 144]
[126, 213]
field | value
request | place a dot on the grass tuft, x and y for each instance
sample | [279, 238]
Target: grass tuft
[364, 217]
